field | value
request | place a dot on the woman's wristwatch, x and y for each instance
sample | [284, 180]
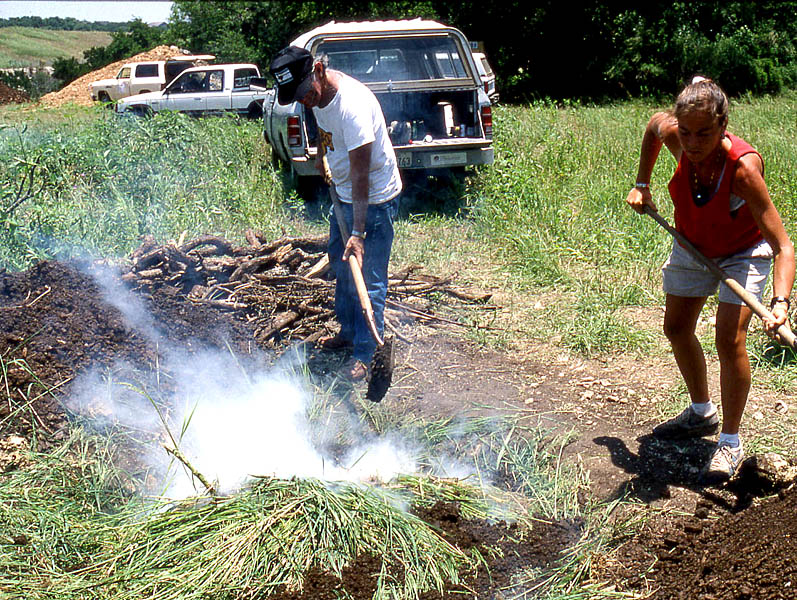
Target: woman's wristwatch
[779, 300]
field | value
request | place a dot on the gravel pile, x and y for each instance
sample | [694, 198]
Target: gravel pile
[77, 92]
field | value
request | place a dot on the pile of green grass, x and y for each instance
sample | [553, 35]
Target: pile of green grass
[71, 525]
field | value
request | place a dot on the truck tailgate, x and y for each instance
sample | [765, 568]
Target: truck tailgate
[450, 152]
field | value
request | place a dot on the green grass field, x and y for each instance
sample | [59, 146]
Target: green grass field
[27, 46]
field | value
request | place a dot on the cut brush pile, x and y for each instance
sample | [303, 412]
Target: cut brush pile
[278, 285]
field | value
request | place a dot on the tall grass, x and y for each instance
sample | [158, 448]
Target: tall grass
[98, 186]
[547, 219]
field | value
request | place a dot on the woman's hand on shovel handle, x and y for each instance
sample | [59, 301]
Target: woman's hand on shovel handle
[781, 314]
[355, 247]
[639, 197]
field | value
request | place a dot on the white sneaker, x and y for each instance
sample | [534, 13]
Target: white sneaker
[723, 463]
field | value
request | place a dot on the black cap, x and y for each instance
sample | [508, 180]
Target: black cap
[292, 68]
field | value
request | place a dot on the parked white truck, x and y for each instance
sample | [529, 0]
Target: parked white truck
[205, 90]
[425, 78]
[143, 77]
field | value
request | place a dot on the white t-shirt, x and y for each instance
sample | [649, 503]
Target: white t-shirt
[354, 118]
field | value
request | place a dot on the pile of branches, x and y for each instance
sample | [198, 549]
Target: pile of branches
[284, 285]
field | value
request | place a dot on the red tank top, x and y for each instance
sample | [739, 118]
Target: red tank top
[713, 228]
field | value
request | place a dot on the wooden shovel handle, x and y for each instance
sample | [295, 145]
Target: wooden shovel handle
[786, 334]
[354, 266]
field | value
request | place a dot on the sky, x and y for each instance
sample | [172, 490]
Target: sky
[89, 10]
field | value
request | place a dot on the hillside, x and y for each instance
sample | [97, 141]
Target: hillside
[26, 46]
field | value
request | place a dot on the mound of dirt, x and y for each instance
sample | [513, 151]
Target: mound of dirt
[9, 95]
[77, 92]
[751, 554]
[55, 321]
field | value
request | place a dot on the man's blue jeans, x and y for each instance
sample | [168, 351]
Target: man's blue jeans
[378, 242]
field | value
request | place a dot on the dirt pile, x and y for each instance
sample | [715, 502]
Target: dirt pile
[9, 95]
[57, 319]
[77, 92]
[749, 555]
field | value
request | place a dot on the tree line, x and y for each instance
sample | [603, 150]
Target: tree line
[62, 24]
[589, 51]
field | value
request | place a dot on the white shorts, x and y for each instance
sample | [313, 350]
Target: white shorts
[684, 276]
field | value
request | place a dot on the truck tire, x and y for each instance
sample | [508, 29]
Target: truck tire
[141, 110]
[144, 92]
[255, 111]
[103, 97]
[309, 188]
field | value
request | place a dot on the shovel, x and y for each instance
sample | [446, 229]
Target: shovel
[786, 334]
[381, 368]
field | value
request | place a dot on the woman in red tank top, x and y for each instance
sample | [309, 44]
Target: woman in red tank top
[723, 207]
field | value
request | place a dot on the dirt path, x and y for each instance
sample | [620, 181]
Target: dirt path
[54, 321]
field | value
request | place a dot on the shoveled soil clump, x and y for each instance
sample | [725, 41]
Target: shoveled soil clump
[55, 322]
[749, 555]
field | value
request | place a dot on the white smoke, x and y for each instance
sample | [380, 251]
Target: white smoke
[233, 421]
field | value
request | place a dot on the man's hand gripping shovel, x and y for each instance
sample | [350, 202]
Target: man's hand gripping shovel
[381, 368]
[783, 334]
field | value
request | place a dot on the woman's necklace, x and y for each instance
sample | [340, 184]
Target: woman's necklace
[701, 194]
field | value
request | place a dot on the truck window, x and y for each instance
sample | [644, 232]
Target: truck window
[215, 81]
[146, 70]
[397, 58]
[189, 82]
[241, 77]
[124, 73]
[175, 67]
[487, 69]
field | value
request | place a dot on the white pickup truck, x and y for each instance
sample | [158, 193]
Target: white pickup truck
[205, 90]
[425, 78]
[143, 77]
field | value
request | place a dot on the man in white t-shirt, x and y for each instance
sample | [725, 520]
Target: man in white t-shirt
[353, 136]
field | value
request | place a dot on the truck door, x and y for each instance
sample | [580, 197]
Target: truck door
[187, 93]
[215, 98]
[122, 83]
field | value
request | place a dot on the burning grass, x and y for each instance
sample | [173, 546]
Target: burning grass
[70, 530]
[73, 523]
